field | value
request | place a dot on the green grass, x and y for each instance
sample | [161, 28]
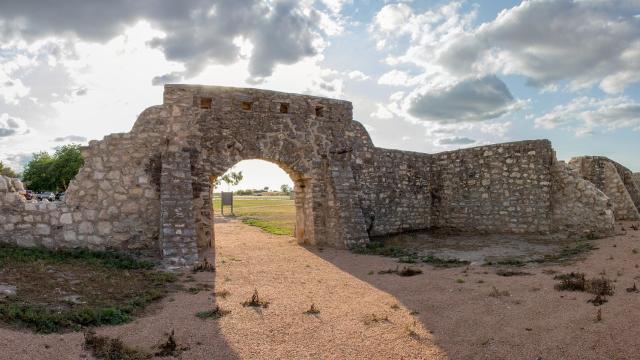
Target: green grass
[113, 288]
[273, 214]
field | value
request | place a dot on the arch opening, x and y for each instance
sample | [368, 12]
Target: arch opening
[267, 194]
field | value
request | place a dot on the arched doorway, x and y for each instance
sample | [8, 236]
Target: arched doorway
[259, 198]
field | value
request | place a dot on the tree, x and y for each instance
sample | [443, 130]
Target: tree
[231, 178]
[47, 172]
[285, 189]
[7, 171]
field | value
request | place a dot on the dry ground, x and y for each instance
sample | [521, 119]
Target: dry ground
[440, 314]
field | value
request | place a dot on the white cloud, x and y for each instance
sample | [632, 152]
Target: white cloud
[382, 112]
[357, 75]
[587, 114]
[395, 78]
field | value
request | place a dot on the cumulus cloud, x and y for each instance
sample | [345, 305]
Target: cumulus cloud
[456, 140]
[395, 78]
[196, 32]
[11, 126]
[582, 43]
[71, 138]
[357, 75]
[469, 100]
[587, 114]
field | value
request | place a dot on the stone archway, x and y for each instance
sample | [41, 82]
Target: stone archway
[150, 189]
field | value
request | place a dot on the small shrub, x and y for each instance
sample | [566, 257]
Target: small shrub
[597, 300]
[444, 263]
[222, 294]
[170, 347]
[375, 319]
[103, 347]
[460, 281]
[215, 313]
[599, 315]
[571, 282]
[633, 289]
[405, 271]
[505, 272]
[256, 301]
[498, 293]
[313, 310]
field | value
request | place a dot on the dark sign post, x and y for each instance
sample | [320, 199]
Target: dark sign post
[226, 199]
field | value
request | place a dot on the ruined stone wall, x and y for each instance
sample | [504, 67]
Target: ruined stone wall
[614, 180]
[497, 188]
[578, 207]
[150, 189]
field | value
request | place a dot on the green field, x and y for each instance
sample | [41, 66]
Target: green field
[274, 214]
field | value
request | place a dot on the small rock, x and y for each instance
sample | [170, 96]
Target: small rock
[7, 290]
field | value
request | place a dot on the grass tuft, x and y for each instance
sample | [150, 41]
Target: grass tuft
[255, 301]
[215, 313]
[103, 347]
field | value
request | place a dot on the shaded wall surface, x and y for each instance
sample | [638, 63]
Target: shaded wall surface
[615, 180]
[151, 188]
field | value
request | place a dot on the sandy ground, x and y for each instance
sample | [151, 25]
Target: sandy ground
[456, 318]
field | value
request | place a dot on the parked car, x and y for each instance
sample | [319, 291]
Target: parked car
[60, 196]
[48, 195]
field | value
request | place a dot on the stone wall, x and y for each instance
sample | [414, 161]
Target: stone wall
[151, 188]
[614, 180]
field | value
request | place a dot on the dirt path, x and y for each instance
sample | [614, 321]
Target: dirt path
[366, 315]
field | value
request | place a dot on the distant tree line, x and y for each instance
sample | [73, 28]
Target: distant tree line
[53, 172]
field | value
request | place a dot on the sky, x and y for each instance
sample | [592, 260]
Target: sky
[425, 76]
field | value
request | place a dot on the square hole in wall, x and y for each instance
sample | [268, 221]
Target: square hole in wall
[205, 103]
[319, 111]
[246, 105]
[284, 108]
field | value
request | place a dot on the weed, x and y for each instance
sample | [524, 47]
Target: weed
[567, 252]
[597, 300]
[256, 301]
[599, 315]
[222, 294]
[204, 266]
[634, 250]
[635, 227]
[510, 262]
[411, 331]
[375, 319]
[505, 272]
[571, 282]
[102, 347]
[215, 313]
[395, 306]
[498, 293]
[405, 271]
[370, 272]
[170, 347]
[633, 289]
[444, 263]
[313, 310]
[460, 281]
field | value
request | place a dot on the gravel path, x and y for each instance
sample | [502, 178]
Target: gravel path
[440, 314]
